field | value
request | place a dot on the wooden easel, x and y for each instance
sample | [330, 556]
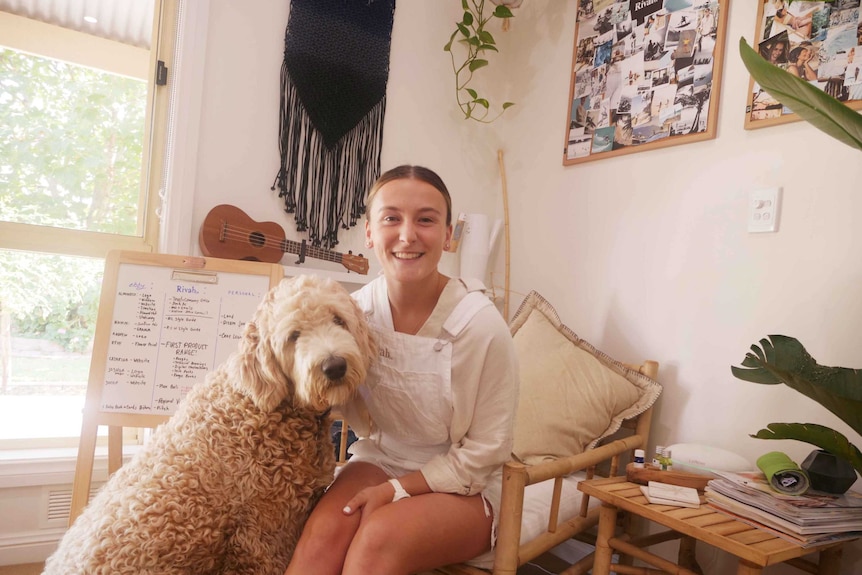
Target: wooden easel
[142, 286]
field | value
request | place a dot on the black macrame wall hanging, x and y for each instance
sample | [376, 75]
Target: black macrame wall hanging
[333, 98]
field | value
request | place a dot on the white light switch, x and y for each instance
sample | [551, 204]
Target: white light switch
[763, 210]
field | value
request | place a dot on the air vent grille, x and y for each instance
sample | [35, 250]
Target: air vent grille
[58, 505]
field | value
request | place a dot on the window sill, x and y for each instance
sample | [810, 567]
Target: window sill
[50, 466]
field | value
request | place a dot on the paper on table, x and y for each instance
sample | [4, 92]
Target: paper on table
[659, 501]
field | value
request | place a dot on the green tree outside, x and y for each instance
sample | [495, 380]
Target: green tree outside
[71, 143]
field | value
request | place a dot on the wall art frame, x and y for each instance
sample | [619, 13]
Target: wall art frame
[646, 74]
[816, 40]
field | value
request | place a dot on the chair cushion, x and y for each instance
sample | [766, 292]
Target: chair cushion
[537, 511]
[571, 394]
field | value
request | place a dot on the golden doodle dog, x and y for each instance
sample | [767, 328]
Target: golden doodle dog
[226, 484]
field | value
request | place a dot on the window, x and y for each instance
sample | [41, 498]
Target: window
[82, 132]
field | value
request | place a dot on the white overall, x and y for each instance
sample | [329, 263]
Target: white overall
[408, 394]
[408, 391]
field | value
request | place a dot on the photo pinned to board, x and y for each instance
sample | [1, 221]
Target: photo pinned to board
[645, 74]
[820, 42]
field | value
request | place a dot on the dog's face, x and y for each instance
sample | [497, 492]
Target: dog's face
[308, 340]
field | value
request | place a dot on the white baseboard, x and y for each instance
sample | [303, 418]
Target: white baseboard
[32, 547]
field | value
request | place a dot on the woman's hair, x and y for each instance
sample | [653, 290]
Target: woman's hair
[794, 54]
[408, 172]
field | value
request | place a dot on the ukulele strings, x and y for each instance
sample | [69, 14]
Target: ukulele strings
[236, 233]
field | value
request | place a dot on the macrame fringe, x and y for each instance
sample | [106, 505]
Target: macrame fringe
[325, 188]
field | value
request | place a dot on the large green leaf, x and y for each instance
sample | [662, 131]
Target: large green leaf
[811, 104]
[818, 435]
[782, 359]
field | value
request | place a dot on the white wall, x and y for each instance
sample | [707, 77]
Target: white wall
[238, 149]
[645, 255]
[648, 253]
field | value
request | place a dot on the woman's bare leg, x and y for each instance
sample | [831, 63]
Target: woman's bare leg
[328, 532]
[420, 533]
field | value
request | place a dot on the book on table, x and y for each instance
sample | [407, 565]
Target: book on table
[808, 519]
[664, 494]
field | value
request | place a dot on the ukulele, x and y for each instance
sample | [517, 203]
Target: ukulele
[228, 232]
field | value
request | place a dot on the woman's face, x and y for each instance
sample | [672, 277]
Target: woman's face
[804, 55]
[776, 52]
[407, 228]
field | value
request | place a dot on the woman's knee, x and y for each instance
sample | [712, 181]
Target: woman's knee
[375, 536]
[328, 526]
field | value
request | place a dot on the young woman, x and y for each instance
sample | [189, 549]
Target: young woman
[800, 63]
[435, 416]
[775, 51]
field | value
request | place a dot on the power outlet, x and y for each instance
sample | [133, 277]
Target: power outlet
[763, 210]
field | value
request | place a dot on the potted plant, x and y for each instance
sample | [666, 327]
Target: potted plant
[472, 34]
[782, 359]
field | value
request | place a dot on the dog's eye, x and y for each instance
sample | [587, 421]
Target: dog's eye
[338, 321]
[294, 335]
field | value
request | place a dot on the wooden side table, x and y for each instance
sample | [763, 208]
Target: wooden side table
[755, 548]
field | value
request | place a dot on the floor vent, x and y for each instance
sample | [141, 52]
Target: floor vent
[57, 504]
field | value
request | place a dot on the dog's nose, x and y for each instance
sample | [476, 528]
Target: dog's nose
[334, 367]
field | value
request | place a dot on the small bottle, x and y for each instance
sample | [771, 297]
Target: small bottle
[639, 458]
[667, 461]
[659, 453]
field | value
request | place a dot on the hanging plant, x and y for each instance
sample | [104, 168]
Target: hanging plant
[475, 39]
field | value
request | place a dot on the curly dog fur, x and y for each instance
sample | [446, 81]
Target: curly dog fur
[226, 484]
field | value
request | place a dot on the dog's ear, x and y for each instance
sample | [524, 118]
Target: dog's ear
[260, 376]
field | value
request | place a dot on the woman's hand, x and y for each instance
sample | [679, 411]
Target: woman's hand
[370, 499]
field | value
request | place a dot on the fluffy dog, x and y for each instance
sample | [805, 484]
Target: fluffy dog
[226, 484]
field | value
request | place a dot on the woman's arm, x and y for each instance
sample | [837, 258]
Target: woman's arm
[485, 388]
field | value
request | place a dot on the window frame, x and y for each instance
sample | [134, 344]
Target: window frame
[62, 241]
[17, 33]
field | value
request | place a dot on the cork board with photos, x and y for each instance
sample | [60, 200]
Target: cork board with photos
[820, 42]
[645, 74]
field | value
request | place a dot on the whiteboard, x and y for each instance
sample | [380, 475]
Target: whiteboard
[165, 321]
[169, 329]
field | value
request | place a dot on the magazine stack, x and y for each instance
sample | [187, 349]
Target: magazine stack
[809, 519]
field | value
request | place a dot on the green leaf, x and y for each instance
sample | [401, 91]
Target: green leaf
[508, 104]
[811, 104]
[466, 7]
[468, 19]
[464, 30]
[488, 47]
[448, 46]
[486, 37]
[503, 12]
[818, 435]
[782, 359]
[472, 93]
[477, 63]
[474, 41]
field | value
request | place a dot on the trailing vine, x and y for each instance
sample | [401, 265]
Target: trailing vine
[472, 34]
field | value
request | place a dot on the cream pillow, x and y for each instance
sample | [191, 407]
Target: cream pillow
[571, 395]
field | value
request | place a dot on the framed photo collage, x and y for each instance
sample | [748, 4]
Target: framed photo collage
[820, 42]
[645, 74]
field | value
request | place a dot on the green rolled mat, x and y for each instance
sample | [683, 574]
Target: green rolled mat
[783, 474]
